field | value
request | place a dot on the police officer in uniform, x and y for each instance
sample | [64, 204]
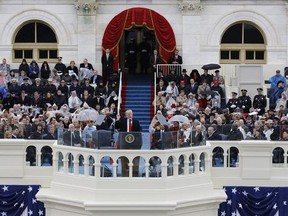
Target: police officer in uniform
[244, 101]
[232, 102]
[260, 102]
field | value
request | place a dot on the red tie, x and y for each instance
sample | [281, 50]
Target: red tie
[130, 125]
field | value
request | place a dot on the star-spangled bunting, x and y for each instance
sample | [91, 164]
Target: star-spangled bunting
[14, 199]
[254, 201]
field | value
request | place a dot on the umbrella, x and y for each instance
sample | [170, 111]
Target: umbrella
[88, 114]
[179, 118]
[211, 66]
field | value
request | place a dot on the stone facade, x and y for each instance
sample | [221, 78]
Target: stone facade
[198, 26]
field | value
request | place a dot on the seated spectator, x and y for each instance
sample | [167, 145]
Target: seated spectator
[181, 98]
[204, 94]
[45, 72]
[101, 89]
[38, 133]
[86, 98]
[72, 68]
[182, 86]
[112, 98]
[60, 98]
[96, 79]
[192, 87]
[24, 67]
[212, 133]
[75, 87]
[72, 137]
[185, 136]
[26, 86]
[98, 100]
[51, 134]
[160, 86]
[87, 86]
[88, 130]
[66, 77]
[74, 102]
[48, 98]
[24, 99]
[235, 133]
[172, 88]
[50, 87]
[197, 136]
[34, 70]
[195, 76]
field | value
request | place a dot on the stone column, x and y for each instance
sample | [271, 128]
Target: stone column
[86, 11]
[191, 37]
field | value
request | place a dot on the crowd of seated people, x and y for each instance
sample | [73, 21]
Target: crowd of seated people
[37, 101]
[238, 119]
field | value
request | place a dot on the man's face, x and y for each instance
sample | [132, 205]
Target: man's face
[210, 131]
[4, 61]
[129, 115]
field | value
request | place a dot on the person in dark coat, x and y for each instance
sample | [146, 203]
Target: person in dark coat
[235, 133]
[196, 76]
[96, 79]
[107, 65]
[212, 134]
[72, 137]
[98, 100]
[60, 98]
[86, 65]
[26, 86]
[128, 124]
[244, 101]
[38, 133]
[176, 60]
[87, 86]
[75, 87]
[155, 59]
[59, 66]
[260, 102]
[24, 99]
[232, 103]
[206, 77]
[50, 135]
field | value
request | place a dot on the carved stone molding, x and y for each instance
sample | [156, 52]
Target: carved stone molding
[190, 7]
[86, 7]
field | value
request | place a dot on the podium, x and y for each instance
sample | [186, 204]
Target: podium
[129, 140]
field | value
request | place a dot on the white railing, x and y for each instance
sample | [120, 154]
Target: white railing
[155, 94]
[15, 169]
[119, 93]
[262, 163]
[241, 162]
[146, 163]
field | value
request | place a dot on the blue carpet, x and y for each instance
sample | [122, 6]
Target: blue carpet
[138, 98]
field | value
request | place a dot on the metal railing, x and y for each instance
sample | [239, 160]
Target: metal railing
[120, 93]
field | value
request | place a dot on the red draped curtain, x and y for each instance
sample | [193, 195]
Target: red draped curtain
[139, 17]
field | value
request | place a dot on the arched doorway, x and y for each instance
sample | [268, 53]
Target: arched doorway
[131, 19]
[135, 48]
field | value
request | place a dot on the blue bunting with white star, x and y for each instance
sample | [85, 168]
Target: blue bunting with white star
[14, 199]
[255, 201]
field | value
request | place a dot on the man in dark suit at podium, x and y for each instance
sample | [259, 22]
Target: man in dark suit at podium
[127, 126]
